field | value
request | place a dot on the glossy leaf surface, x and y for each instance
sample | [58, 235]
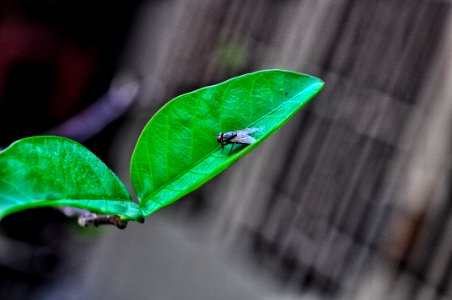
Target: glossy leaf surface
[54, 171]
[177, 151]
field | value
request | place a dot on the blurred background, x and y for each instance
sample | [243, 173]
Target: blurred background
[352, 199]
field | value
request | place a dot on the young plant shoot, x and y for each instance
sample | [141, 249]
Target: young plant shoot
[55, 171]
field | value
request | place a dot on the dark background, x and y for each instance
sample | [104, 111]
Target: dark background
[350, 200]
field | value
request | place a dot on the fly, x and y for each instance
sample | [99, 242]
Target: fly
[241, 136]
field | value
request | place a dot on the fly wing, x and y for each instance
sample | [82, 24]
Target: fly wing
[247, 131]
[243, 139]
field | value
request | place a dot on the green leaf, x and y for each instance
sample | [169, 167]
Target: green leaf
[177, 151]
[55, 171]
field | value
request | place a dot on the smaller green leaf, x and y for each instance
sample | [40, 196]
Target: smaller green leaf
[177, 151]
[55, 171]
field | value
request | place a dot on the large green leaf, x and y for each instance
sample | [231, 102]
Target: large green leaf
[55, 171]
[177, 151]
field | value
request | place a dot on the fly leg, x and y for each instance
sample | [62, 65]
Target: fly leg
[232, 147]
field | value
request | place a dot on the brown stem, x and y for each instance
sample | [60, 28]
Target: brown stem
[87, 219]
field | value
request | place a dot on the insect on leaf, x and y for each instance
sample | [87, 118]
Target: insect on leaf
[178, 150]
